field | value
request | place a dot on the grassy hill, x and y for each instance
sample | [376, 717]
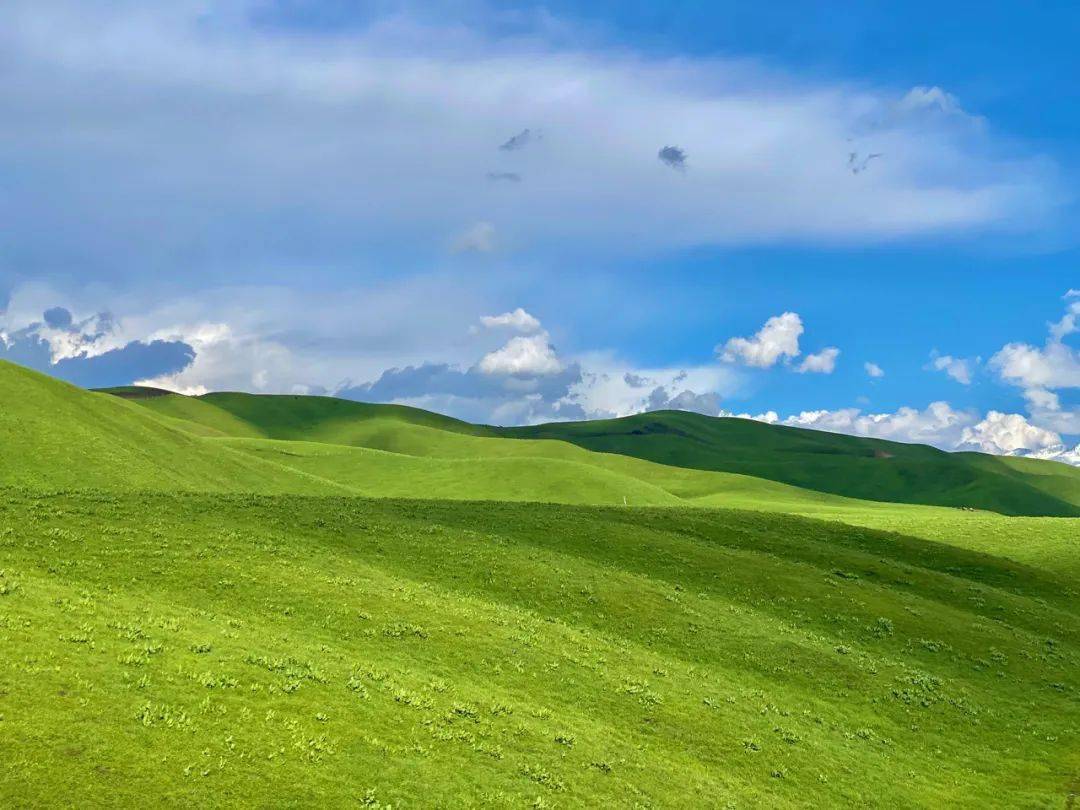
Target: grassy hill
[318, 651]
[57, 436]
[857, 467]
[296, 601]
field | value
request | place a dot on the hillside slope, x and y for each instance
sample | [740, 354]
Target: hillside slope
[871, 469]
[57, 436]
[836, 464]
[292, 651]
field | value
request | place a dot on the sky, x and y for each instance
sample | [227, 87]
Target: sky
[862, 221]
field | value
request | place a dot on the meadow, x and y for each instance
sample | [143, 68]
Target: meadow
[298, 602]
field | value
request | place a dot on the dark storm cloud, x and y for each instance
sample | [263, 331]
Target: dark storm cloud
[123, 366]
[58, 318]
[120, 366]
[672, 156]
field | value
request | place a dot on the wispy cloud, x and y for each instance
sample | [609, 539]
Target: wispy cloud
[368, 138]
[519, 141]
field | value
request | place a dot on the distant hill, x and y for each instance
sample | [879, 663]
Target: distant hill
[832, 463]
[856, 467]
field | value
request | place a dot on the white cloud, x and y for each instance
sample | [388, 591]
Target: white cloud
[1040, 398]
[1008, 433]
[777, 339]
[930, 98]
[300, 336]
[938, 424]
[1055, 365]
[941, 425]
[519, 320]
[227, 361]
[1068, 323]
[824, 362]
[1047, 411]
[873, 370]
[386, 134]
[960, 369]
[524, 356]
[478, 238]
[611, 387]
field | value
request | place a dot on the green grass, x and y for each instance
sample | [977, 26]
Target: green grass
[870, 469]
[56, 436]
[867, 469]
[297, 602]
[295, 651]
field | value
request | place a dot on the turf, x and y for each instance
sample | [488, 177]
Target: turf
[296, 602]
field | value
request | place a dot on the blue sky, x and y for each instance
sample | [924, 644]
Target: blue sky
[312, 196]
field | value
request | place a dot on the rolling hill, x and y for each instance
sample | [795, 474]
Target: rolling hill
[871, 469]
[297, 601]
[854, 467]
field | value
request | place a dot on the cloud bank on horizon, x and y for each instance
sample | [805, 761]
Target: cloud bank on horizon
[524, 379]
[374, 212]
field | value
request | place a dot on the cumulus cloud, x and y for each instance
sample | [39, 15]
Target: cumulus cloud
[90, 352]
[938, 424]
[469, 393]
[873, 370]
[267, 338]
[824, 362]
[777, 340]
[1047, 410]
[519, 320]
[531, 356]
[611, 388]
[1041, 369]
[225, 360]
[707, 404]
[941, 425]
[1053, 365]
[1008, 433]
[478, 238]
[960, 369]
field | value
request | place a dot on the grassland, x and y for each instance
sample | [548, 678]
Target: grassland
[865, 469]
[227, 600]
[299, 651]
